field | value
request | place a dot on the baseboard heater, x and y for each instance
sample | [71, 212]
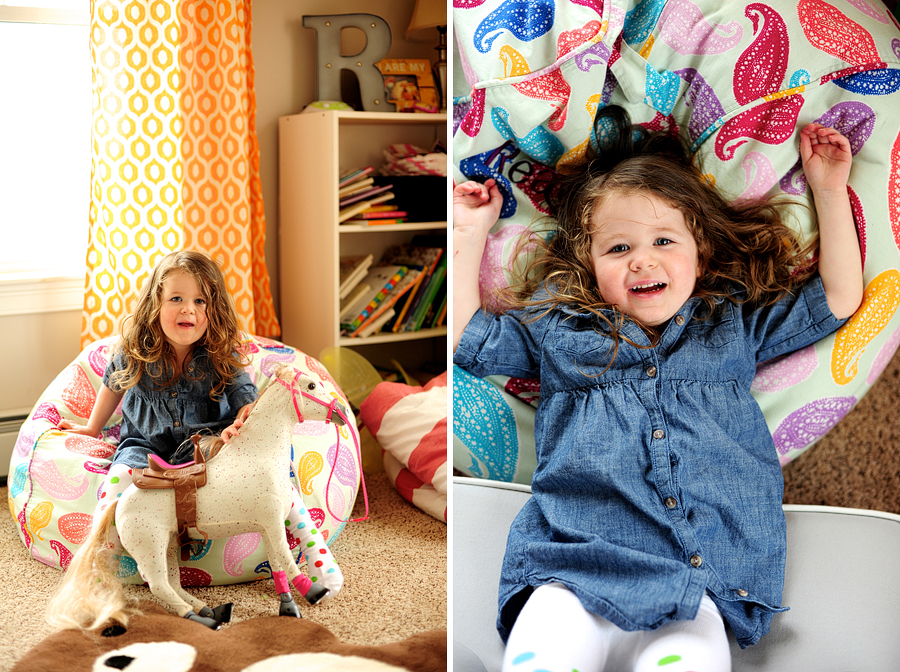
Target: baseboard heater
[9, 432]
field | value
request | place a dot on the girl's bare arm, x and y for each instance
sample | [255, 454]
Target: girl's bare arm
[104, 406]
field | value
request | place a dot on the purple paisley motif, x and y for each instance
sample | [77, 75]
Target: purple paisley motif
[460, 110]
[597, 54]
[707, 110]
[525, 19]
[345, 468]
[684, 28]
[25, 441]
[883, 358]
[810, 423]
[761, 68]
[784, 372]
[772, 122]
[272, 362]
[852, 119]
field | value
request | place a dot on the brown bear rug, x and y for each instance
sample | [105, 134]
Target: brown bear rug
[157, 641]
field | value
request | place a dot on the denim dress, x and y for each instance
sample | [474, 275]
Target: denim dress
[657, 480]
[162, 419]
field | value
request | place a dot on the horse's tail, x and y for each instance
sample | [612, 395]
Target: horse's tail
[91, 595]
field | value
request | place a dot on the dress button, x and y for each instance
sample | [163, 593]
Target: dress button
[651, 372]
[696, 560]
[177, 424]
[174, 394]
[679, 320]
[671, 502]
[659, 434]
[742, 592]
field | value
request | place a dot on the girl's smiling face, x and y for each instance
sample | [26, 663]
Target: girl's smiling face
[182, 311]
[645, 257]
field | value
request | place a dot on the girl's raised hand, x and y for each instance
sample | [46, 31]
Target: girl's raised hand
[477, 206]
[826, 158]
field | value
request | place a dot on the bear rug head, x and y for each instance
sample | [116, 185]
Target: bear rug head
[157, 641]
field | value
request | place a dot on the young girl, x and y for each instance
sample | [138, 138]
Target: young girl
[656, 506]
[177, 372]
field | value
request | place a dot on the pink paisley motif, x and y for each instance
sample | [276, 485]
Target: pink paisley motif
[894, 190]
[238, 549]
[49, 560]
[661, 122]
[526, 389]
[78, 393]
[760, 177]
[552, 87]
[311, 428]
[75, 527]
[467, 4]
[271, 362]
[570, 39]
[85, 445]
[62, 552]
[47, 475]
[23, 527]
[345, 468]
[687, 31]
[268, 342]
[248, 348]
[830, 30]
[194, 576]
[596, 5]
[492, 277]
[97, 360]
[293, 541]
[859, 218]
[471, 125]
[884, 356]
[336, 500]
[869, 8]
[318, 517]
[761, 68]
[317, 368]
[96, 467]
[48, 412]
[784, 372]
[771, 122]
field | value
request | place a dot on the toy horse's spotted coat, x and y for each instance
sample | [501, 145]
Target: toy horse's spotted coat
[247, 490]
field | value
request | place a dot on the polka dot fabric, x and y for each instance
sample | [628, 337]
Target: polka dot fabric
[737, 79]
[56, 477]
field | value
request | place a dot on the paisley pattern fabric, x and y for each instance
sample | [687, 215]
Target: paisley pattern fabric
[737, 79]
[56, 477]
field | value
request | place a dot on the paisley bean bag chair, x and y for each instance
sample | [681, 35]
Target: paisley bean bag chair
[738, 79]
[56, 477]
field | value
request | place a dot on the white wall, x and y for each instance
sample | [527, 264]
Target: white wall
[38, 346]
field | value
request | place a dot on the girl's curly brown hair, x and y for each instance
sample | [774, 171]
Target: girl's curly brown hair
[145, 346]
[746, 252]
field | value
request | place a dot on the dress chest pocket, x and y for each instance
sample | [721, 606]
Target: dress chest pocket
[713, 333]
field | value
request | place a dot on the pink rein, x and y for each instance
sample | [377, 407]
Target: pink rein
[333, 408]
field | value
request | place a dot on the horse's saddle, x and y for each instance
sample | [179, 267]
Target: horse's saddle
[184, 479]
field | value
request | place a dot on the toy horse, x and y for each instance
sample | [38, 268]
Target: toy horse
[247, 490]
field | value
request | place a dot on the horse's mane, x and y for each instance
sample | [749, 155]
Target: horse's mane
[210, 446]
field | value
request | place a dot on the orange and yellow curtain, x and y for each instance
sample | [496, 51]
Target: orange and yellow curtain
[175, 157]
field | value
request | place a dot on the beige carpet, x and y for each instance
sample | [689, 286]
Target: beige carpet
[394, 564]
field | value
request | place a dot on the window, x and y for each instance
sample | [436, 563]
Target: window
[45, 151]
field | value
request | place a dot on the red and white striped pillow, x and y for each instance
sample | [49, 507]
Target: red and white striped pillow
[410, 423]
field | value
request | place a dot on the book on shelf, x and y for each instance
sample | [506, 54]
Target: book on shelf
[354, 187]
[412, 255]
[382, 279]
[353, 299]
[354, 175]
[404, 305]
[375, 325]
[366, 194]
[438, 277]
[442, 314]
[352, 269]
[389, 302]
[356, 208]
[374, 222]
[374, 213]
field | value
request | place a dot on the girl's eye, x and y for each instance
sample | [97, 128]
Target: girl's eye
[663, 241]
[620, 248]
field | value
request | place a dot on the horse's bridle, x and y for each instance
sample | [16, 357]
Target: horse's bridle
[334, 407]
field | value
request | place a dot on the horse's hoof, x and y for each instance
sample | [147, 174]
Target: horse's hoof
[288, 606]
[315, 593]
[222, 613]
[202, 620]
[206, 612]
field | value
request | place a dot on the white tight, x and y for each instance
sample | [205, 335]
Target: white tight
[555, 633]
